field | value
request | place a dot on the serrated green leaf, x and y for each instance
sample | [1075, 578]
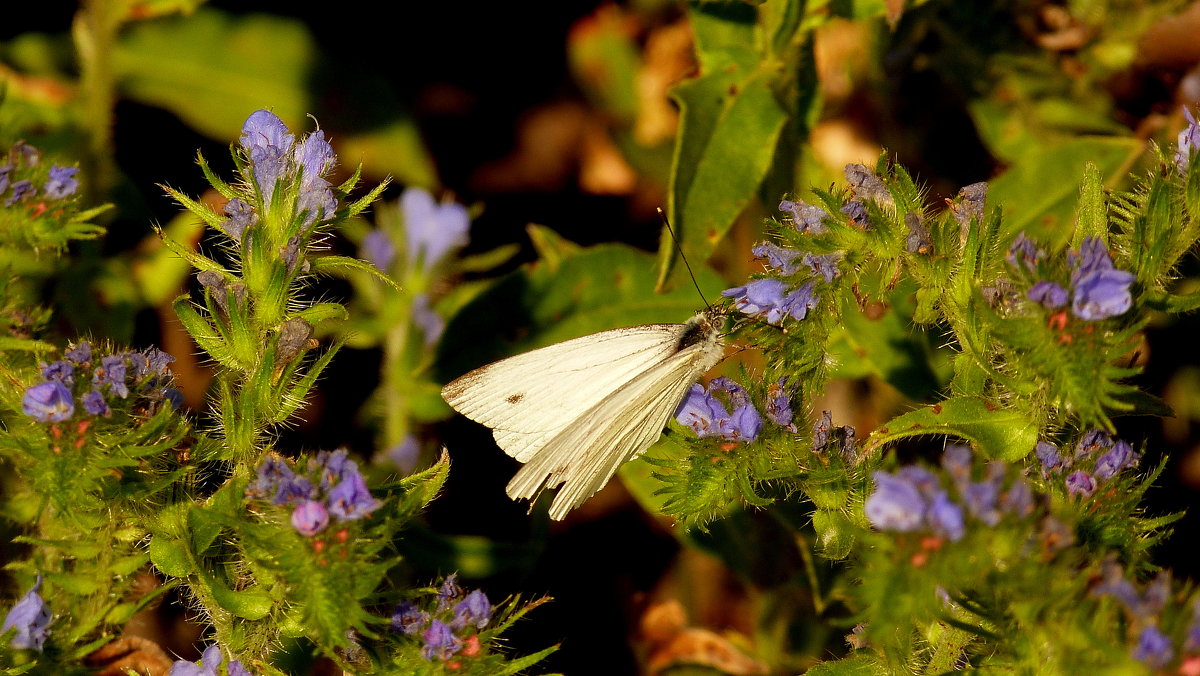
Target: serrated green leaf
[1000, 434]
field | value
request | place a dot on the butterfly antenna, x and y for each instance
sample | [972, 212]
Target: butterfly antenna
[662, 215]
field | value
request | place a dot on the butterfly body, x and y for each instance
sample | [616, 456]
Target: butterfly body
[575, 411]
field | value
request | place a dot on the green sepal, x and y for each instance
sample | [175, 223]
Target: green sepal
[356, 207]
[204, 333]
[215, 181]
[319, 312]
[328, 265]
[207, 215]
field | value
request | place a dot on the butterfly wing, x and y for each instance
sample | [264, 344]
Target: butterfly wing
[530, 398]
[583, 456]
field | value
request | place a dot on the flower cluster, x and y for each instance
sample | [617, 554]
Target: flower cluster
[22, 180]
[98, 382]
[30, 617]
[1098, 290]
[331, 485]
[1097, 457]
[1187, 142]
[451, 626]
[708, 416]
[770, 298]
[278, 161]
[210, 660]
[1144, 609]
[914, 499]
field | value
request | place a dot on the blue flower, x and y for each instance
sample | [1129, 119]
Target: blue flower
[111, 372]
[1050, 295]
[408, 618]
[857, 211]
[440, 642]
[293, 490]
[80, 354]
[1048, 454]
[310, 518]
[1187, 142]
[807, 218]
[62, 371]
[1117, 458]
[1100, 290]
[1153, 648]
[946, 518]
[824, 265]
[236, 668]
[757, 297]
[5, 177]
[30, 617]
[779, 404]
[151, 362]
[972, 203]
[1093, 440]
[351, 499]
[333, 467]
[315, 157]
[982, 499]
[448, 592]
[918, 241]
[1080, 483]
[269, 474]
[821, 430]
[239, 215]
[61, 182]
[474, 610]
[701, 411]
[430, 322]
[1024, 252]
[956, 460]
[378, 250]
[95, 404]
[779, 258]
[404, 455]
[211, 658]
[708, 417]
[268, 144]
[49, 402]
[895, 504]
[20, 191]
[1018, 499]
[432, 230]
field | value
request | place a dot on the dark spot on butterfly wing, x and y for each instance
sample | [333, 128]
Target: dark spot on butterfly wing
[514, 398]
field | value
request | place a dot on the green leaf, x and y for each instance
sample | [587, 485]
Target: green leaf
[836, 534]
[249, 604]
[170, 556]
[857, 665]
[1092, 219]
[325, 265]
[890, 347]
[1001, 434]
[212, 69]
[422, 487]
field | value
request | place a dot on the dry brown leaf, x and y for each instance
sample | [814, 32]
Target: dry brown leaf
[672, 643]
[666, 59]
[130, 652]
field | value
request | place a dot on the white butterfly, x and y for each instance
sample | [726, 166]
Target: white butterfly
[575, 411]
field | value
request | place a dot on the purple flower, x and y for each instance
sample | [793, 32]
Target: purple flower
[294, 490]
[236, 668]
[1114, 584]
[1050, 295]
[797, 304]
[895, 504]
[111, 372]
[918, 241]
[1188, 142]
[316, 202]
[779, 404]
[945, 518]
[80, 354]
[757, 297]
[61, 182]
[310, 518]
[430, 322]
[432, 230]
[744, 424]
[807, 218]
[1114, 460]
[5, 177]
[333, 467]
[1048, 454]
[982, 499]
[448, 591]
[20, 191]
[268, 144]
[971, 207]
[238, 216]
[403, 455]
[857, 211]
[269, 474]
[351, 499]
[1018, 499]
[95, 404]
[30, 617]
[475, 610]
[701, 411]
[737, 393]
[821, 430]
[1080, 483]
[49, 402]
[62, 371]
[867, 184]
[151, 362]
[1024, 252]
[1100, 290]
[408, 618]
[708, 417]
[1153, 648]
[779, 258]
[315, 157]
[440, 642]
[211, 659]
[956, 460]
[1093, 440]
[378, 250]
[824, 265]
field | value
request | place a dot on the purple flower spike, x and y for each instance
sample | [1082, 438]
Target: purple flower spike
[310, 518]
[797, 304]
[1048, 454]
[378, 250]
[111, 372]
[946, 518]
[62, 371]
[779, 258]
[473, 611]
[351, 499]
[20, 191]
[49, 402]
[1099, 290]
[61, 182]
[1080, 483]
[30, 617]
[1050, 295]
[1188, 142]
[896, 504]
[807, 218]
[409, 619]
[432, 230]
[440, 642]
[1153, 648]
